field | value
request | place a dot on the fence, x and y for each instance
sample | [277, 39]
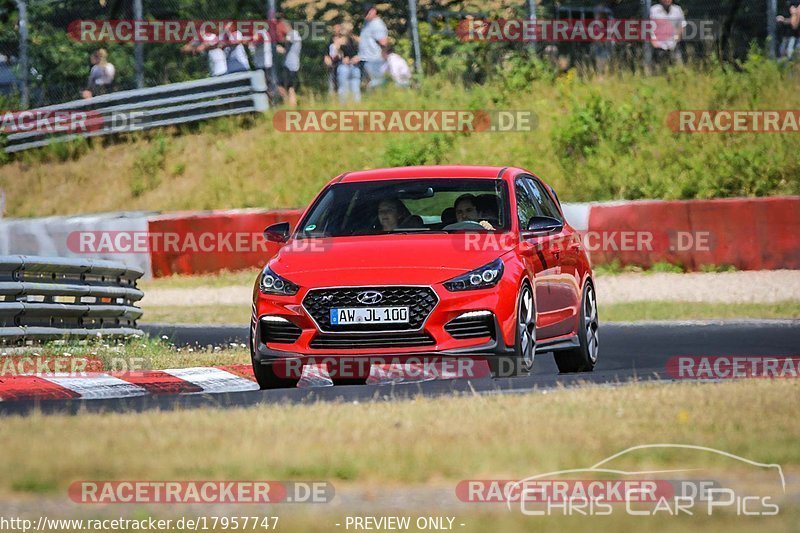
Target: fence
[46, 66]
[142, 109]
[47, 298]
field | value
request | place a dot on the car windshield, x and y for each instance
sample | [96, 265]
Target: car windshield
[406, 206]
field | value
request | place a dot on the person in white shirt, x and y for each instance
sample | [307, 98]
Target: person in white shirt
[101, 75]
[261, 48]
[396, 67]
[373, 36]
[670, 23]
[209, 43]
[235, 54]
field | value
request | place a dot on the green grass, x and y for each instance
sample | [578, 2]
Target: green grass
[638, 311]
[426, 441]
[133, 354]
[596, 139]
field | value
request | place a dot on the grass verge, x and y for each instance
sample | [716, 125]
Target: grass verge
[426, 441]
[134, 354]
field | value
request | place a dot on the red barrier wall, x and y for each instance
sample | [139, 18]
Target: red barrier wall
[748, 233]
[192, 243]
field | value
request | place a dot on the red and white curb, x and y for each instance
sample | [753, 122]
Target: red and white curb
[198, 380]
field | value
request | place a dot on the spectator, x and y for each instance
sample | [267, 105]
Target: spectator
[670, 24]
[791, 39]
[235, 55]
[209, 43]
[601, 50]
[332, 59]
[373, 36]
[348, 73]
[261, 48]
[291, 64]
[396, 67]
[101, 75]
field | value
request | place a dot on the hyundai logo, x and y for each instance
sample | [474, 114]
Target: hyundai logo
[369, 297]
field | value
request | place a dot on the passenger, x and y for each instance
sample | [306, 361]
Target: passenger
[487, 207]
[392, 213]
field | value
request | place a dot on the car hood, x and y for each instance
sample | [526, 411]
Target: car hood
[385, 259]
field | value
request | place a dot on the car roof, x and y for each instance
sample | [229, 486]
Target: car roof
[443, 171]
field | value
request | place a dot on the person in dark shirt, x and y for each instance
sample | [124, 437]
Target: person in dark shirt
[348, 73]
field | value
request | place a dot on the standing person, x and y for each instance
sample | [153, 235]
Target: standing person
[209, 43]
[791, 39]
[348, 73]
[261, 48]
[396, 67]
[332, 59]
[291, 64]
[235, 54]
[670, 23]
[373, 36]
[101, 75]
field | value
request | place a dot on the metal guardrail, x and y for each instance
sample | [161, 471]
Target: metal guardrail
[164, 105]
[44, 298]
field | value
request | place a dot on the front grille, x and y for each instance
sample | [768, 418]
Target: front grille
[471, 327]
[357, 341]
[419, 300]
[280, 332]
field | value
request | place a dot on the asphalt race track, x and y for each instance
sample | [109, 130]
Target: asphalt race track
[628, 351]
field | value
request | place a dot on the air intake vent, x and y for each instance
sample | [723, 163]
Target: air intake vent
[279, 330]
[471, 326]
[371, 340]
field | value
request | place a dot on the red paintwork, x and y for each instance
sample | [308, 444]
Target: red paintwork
[419, 259]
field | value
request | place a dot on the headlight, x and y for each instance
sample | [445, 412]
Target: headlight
[480, 278]
[271, 283]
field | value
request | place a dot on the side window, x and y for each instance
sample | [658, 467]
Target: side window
[544, 201]
[526, 206]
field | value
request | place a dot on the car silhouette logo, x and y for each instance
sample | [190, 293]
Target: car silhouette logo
[369, 297]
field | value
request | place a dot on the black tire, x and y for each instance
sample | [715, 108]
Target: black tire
[583, 358]
[268, 379]
[521, 362]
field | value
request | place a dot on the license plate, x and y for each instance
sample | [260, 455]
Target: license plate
[369, 315]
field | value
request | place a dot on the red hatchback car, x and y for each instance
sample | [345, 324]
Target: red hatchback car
[447, 261]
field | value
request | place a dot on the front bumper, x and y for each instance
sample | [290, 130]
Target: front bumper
[450, 305]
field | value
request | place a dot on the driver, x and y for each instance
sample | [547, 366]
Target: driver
[391, 213]
[466, 207]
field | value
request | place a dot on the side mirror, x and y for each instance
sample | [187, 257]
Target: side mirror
[543, 225]
[277, 232]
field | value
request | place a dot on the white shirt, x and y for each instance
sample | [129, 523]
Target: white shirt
[262, 50]
[236, 53]
[217, 62]
[397, 68]
[674, 17]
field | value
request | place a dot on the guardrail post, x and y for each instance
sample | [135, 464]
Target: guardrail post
[258, 82]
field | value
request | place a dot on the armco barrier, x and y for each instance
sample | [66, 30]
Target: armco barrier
[237, 237]
[748, 233]
[45, 298]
